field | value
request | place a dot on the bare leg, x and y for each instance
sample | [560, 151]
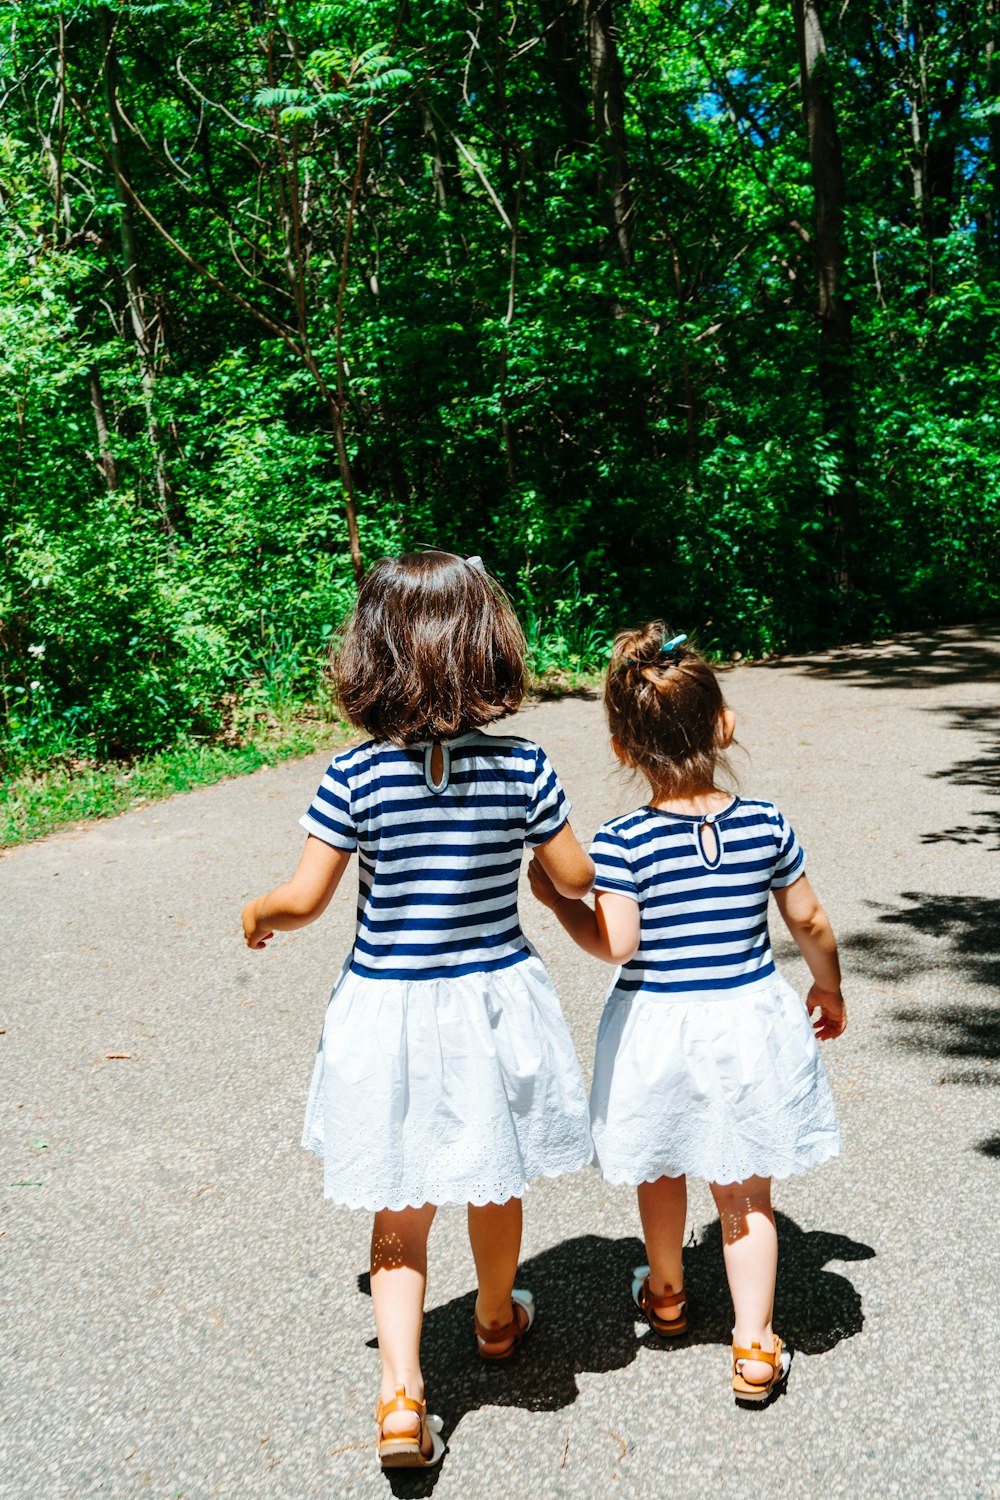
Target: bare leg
[662, 1209]
[750, 1251]
[399, 1279]
[495, 1237]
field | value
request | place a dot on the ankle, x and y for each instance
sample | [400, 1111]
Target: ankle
[410, 1382]
[746, 1338]
[666, 1276]
[495, 1314]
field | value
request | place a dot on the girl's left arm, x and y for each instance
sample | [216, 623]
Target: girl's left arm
[567, 864]
[300, 900]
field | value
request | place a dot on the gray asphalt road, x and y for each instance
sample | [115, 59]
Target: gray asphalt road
[183, 1315]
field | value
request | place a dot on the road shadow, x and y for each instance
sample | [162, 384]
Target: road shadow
[970, 1034]
[961, 933]
[914, 659]
[552, 690]
[954, 933]
[980, 770]
[587, 1322]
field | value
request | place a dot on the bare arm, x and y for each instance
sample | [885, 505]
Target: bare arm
[609, 930]
[300, 900]
[568, 865]
[810, 926]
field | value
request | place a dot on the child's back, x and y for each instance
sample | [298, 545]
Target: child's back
[443, 1001]
[438, 861]
[706, 1059]
[445, 1073]
[702, 884]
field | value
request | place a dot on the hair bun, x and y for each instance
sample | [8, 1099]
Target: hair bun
[651, 647]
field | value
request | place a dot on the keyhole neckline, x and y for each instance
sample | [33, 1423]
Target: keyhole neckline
[437, 787]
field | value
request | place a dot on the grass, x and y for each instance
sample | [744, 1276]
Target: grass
[34, 803]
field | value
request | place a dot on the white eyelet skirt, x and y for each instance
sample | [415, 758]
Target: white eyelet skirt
[445, 1090]
[724, 1087]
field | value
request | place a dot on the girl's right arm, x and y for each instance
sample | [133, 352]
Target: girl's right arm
[300, 900]
[810, 926]
[608, 930]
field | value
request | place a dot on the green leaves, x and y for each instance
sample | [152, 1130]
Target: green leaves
[417, 201]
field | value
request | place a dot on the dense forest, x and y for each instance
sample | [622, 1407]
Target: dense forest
[669, 307]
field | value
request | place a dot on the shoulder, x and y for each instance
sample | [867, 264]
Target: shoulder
[353, 755]
[756, 810]
[507, 744]
[523, 757]
[627, 828]
[760, 821]
[513, 744]
[358, 760]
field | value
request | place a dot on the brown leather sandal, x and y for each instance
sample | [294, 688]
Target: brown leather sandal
[508, 1336]
[759, 1390]
[403, 1450]
[667, 1315]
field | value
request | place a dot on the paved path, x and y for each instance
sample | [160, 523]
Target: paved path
[183, 1315]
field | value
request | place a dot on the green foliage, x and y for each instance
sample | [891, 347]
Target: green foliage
[400, 224]
[36, 803]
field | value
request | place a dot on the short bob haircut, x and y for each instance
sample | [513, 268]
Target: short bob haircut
[665, 711]
[432, 649]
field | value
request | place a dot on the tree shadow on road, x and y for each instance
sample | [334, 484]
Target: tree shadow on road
[915, 659]
[967, 1033]
[961, 933]
[981, 770]
[934, 933]
[924, 660]
[588, 1323]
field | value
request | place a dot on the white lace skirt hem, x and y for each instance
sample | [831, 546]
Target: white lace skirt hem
[723, 1088]
[445, 1091]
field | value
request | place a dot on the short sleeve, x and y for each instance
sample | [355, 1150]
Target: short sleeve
[548, 805]
[329, 816]
[610, 854]
[791, 860]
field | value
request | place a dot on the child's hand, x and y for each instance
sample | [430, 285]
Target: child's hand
[832, 1012]
[541, 884]
[255, 934]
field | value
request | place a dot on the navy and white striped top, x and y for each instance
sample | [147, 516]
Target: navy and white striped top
[438, 864]
[703, 921]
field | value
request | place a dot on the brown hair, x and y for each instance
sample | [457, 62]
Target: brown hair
[433, 648]
[664, 711]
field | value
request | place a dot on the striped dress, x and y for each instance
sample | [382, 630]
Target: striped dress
[706, 1060]
[445, 1071]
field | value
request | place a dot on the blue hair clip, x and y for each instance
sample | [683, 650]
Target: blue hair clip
[475, 562]
[669, 648]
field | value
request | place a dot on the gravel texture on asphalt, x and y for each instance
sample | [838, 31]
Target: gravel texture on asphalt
[183, 1314]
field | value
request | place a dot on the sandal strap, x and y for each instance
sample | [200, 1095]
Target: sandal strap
[755, 1352]
[514, 1329]
[401, 1402]
[668, 1299]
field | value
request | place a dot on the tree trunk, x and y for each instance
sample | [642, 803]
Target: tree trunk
[563, 51]
[607, 89]
[105, 457]
[835, 339]
[130, 252]
[347, 480]
[935, 114]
